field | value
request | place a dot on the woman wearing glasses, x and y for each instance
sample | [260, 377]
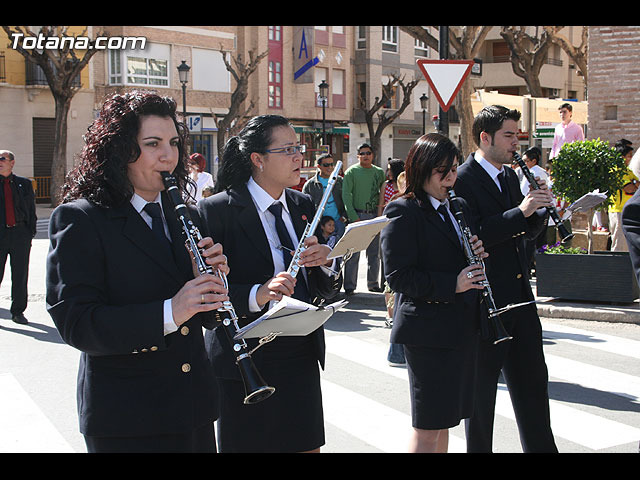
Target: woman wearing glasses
[258, 167]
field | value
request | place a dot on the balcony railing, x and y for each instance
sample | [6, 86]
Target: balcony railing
[35, 74]
[507, 58]
[42, 187]
[3, 71]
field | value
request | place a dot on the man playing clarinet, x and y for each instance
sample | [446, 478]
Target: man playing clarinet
[505, 218]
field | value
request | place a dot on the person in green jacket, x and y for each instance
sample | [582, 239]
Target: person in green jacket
[360, 192]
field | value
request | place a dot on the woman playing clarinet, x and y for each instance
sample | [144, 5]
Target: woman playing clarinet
[437, 305]
[121, 286]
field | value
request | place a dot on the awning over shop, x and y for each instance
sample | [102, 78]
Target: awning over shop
[546, 108]
[318, 130]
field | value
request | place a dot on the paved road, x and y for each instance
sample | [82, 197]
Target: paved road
[594, 382]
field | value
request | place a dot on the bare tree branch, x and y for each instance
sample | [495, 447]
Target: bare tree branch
[241, 71]
[578, 54]
[61, 67]
[384, 118]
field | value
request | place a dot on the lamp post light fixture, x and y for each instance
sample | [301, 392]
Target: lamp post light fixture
[324, 92]
[183, 75]
[424, 103]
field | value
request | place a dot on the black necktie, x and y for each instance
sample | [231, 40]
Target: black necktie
[153, 209]
[301, 292]
[442, 210]
[502, 178]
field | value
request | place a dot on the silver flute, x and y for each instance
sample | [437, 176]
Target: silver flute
[256, 389]
[310, 229]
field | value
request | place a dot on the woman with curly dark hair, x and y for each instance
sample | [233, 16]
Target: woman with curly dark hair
[121, 286]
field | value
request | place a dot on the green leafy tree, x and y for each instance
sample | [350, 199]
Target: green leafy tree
[582, 167]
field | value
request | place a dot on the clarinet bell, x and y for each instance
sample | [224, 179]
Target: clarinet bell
[500, 333]
[256, 389]
[565, 235]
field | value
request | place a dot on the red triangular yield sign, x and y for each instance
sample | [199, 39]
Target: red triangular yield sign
[445, 78]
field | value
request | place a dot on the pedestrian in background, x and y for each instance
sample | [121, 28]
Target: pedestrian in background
[532, 157]
[567, 131]
[17, 229]
[361, 194]
[201, 178]
[315, 187]
[395, 355]
[621, 197]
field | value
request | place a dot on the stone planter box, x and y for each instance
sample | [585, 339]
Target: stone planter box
[600, 277]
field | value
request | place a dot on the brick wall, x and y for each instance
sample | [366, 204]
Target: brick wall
[613, 84]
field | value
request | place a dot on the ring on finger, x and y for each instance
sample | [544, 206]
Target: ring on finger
[469, 275]
[202, 298]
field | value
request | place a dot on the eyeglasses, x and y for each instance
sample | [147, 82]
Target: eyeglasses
[290, 150]
[365, 153]
[326, 164]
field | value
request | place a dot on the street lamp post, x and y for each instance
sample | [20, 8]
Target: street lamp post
[183, 75]
[324, 91]
[443, 47]
[424, 104]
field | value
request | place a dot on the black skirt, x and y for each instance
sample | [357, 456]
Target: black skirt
[290, 420]
[442, 384]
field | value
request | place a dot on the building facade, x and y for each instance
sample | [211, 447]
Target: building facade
[354, 61]
[27, 123]
[614, 96]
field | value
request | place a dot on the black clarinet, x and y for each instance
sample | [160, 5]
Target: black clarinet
[565, 235]
[256, 389]
[498, 332]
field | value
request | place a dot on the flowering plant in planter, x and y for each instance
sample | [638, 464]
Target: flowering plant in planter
[558, 248]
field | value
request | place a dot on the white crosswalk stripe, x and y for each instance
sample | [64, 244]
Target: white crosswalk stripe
[383, 424]
[353, 412]
[24, 427]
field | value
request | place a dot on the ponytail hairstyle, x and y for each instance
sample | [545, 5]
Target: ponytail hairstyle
[255, 137]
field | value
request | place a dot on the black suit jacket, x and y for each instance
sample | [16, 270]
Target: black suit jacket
[422, 259]
[502, 228]
[106, 283]
[24, 202]
[231, 218]
[631, 229]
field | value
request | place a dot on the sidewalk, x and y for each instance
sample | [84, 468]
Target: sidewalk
[547, 307]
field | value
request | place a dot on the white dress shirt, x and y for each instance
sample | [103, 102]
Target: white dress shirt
[490, 169]
[139, 203]
[262, 200]
[436, 204]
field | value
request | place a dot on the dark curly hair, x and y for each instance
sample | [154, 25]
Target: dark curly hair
[101, 175]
